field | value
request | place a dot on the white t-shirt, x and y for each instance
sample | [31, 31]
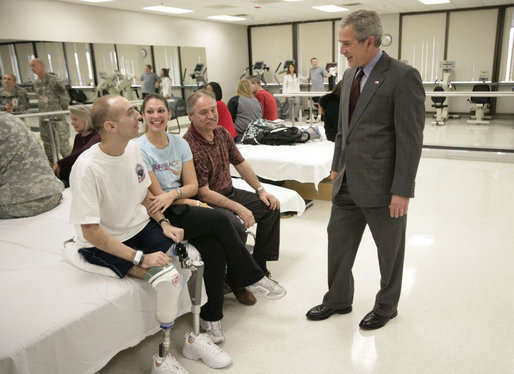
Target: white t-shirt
[109, 190]
[166, 163]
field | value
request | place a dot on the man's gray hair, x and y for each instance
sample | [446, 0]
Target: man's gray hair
[191, 100]
[366, 23]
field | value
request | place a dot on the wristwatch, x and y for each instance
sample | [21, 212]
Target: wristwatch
[164, 220]
[138, 258]
[259, 189]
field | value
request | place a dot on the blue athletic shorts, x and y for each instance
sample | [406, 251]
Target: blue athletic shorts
[149, 240]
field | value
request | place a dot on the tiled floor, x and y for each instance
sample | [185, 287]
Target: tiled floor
[455, 314]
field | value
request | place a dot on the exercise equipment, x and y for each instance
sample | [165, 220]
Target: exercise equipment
[199, 75]
[116, 84]
[441, 109]
[258, 69]
[331, 67]
[481, 103]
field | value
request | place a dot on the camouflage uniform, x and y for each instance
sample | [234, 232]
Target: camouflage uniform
[53, 97]
[28, 185]
[18, 98]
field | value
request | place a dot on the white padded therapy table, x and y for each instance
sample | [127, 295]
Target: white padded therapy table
[306, 163]
[56, 318]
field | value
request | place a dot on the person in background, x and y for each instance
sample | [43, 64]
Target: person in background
[28, 186]
[244, 107]
[268, 102]
[214, 150]
[376, 156]
[164, 83]
[329, 109]
[224, 117]
[291, 84]
[317, 76]
[13, 98]
[80, 116]
[149, 79]
[52, 97]
[174, 185]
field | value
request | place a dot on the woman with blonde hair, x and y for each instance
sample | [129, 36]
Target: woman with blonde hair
[86, 136]
[244, 107]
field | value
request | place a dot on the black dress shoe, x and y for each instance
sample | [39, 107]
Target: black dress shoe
[321, 312]
[373, 321]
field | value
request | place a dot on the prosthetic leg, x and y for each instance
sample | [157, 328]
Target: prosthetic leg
[168, 284]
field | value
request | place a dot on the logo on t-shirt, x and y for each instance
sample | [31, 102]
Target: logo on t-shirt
[140, 171]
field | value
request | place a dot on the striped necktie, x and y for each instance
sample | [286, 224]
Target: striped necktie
[355, 92]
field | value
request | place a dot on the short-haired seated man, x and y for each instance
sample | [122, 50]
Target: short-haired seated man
[109, 184]
[213, 151]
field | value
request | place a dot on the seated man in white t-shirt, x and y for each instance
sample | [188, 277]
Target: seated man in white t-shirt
[109, 184]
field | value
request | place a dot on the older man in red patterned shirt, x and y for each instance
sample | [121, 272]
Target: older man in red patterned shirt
[213, 151]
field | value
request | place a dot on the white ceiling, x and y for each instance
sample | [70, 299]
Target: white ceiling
[277, 11]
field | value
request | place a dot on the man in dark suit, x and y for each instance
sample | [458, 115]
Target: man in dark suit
[376, 156]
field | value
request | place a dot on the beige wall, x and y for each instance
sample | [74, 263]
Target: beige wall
[422, 45]
[226, 44]
[272, 53]
[315, 40]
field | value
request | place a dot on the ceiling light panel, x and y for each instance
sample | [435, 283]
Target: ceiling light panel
[227, 18]
[433, 2]
[167, 9]
[330, 8]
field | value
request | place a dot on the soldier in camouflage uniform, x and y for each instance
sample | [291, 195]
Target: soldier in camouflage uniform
[52, 97]
[28, 185]
[13, 98]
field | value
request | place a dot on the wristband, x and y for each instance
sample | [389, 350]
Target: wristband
[179, 193]
[138, 258]
[164, 220]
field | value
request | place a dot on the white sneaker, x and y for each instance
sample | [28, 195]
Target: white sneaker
[167, 365]
[202, 347]
[270, 289]
[213, 329]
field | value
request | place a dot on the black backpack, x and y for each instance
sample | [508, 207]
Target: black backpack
[284, 136]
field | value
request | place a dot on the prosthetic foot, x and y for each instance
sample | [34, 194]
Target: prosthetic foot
[168, 284]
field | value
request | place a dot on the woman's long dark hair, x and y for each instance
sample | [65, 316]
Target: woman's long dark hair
[217, 90]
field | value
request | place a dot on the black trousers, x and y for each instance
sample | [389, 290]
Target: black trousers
[268, 224]
[221, 247]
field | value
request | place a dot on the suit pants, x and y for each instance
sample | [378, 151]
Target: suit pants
[267, 240]
[221, 247]
[345, 229]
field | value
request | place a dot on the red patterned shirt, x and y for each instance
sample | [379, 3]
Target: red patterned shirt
[212, 159]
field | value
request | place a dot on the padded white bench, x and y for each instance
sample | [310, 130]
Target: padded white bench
[57, 318]
[290, 200]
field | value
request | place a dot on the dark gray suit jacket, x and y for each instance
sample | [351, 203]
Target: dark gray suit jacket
[379, 150]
